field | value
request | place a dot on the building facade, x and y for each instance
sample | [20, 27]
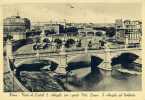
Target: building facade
[131, 29]
[16, 27]
[53, 28]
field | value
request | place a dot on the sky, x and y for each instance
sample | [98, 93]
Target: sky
[74, 12]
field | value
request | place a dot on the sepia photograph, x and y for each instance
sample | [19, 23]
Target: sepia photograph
[62, 47]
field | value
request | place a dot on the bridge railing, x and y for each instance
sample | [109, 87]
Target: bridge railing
[47, 53]
[57, 51]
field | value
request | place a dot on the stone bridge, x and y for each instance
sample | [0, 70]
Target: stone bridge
[63, 58]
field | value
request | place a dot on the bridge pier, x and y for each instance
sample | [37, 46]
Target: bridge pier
[63, 60]
[62, 63]
[107, 62]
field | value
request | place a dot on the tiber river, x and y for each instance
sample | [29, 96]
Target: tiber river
[39, 75]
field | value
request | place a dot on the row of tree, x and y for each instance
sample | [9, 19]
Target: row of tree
[110, 31]
[69, 43]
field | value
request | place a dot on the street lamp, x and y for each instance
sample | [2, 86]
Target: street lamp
[86, 45]
[63, 47]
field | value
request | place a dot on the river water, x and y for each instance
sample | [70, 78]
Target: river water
[38, 80]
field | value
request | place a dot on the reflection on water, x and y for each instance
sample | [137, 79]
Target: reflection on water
[39, 81]
[32, 74]
[105, 81]
[119, 83]
[36, 65]
[82, 79]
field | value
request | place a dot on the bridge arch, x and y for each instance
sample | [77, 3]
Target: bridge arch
[82, 56]
[133, 51]
[30, 59]
[125, 57]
